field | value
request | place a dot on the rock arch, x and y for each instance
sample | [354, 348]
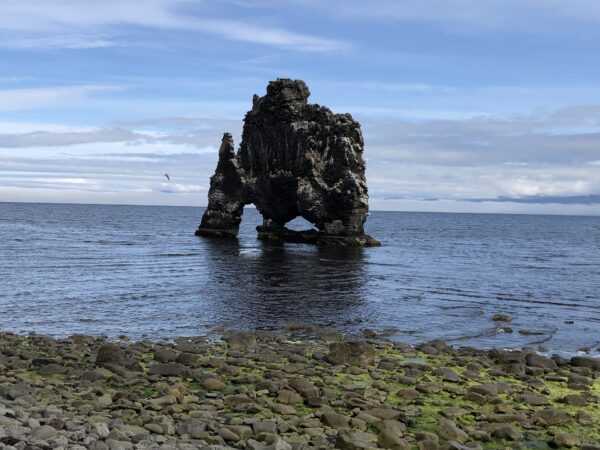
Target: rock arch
[295, 159]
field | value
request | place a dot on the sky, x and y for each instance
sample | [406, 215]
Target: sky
[465, 105]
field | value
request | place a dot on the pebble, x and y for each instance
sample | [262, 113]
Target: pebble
[270, 392]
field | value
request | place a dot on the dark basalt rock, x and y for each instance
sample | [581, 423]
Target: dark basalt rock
[295, 159]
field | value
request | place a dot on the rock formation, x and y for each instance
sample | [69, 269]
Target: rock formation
[295, 159]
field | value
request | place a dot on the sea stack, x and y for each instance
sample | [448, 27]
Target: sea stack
[295, 159]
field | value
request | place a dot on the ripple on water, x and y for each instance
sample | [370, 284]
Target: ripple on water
[141, 271]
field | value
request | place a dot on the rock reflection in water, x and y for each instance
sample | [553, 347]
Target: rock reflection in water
[271, 284]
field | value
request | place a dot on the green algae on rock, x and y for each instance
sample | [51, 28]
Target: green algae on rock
[276, 391]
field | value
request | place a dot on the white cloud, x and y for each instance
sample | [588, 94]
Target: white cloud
[239, 31]
[74, 42]
[179, 188]
[67, 138]
[467, 16]
[407, 160]
[74, 16]
[36, 98]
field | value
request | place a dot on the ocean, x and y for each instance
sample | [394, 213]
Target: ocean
[141, 272]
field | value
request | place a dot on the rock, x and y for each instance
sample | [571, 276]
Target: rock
[193, 427]
[53, 369]
[530, 333]
[552, 416]
[102, 402]
[584, 418]
[388, 439]
[187, 359]
[355, 440]
[110, 354]
[353, 353]
[164, 355]
[264, 426]
[304, 387]
[101, 429]
[585, 361]
[574, 400]
[295, 159]
[563, 439]
[44, 433]
[14, 391]
[335, 420]
[154, 428]
[118, 445]
[395, 426]
[228, 435]
[384, 413]
[213, 384]
[409, 394]
[237, 400]
[507, 431]
[168, 370]
[447, 374]
[535, 360]
[284, 410]
[426, 436]
[448, 430]
[432, 387]
[243, 431]
[453, 411]
[533, 399]
[501, 318]
[240, 340]
[428, 445]
[286, 396]
[491, 389]
[277, 444]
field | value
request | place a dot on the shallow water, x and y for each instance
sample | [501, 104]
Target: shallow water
[140, 271]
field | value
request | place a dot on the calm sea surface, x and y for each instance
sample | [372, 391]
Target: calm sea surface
[140, 271]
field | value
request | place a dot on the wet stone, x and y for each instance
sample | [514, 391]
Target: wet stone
[110, 354]
[352, 353]
[165, 355]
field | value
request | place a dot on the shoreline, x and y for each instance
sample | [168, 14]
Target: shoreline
[293, 389]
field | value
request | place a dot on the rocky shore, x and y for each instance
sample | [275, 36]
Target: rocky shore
[302, 388]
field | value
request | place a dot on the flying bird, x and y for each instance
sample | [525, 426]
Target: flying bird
[168, 177]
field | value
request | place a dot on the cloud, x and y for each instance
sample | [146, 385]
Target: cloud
[36, 98]
[465, 16]
[55, 19]
[202, 134]
[540, 157]
[178, 188]
[65, 139]
[545, 199]
[239, 31]
[566, 136]
[73, 42]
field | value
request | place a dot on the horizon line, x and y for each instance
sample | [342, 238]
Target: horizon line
[254, 207]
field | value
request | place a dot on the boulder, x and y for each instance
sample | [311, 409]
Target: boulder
[110, 354]
[353, 352]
